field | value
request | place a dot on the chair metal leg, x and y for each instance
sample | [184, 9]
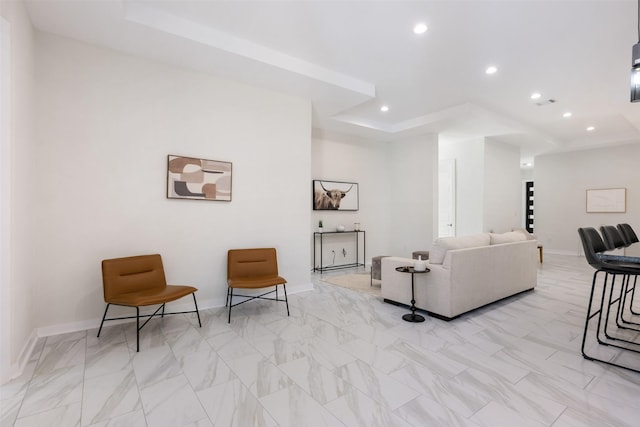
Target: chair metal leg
[197, 312]
[253, 297]
[620, 320]
[103, 317]
[606, 317]
[137, 329]
[160, 310]
[599, 313]
[230, 301]
[618, 313]
[602, 313]
[286, 300]
[589, 317]
[623, 301]
[633, 293]
[610, 302]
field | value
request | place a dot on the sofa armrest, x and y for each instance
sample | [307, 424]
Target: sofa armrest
[394, 283]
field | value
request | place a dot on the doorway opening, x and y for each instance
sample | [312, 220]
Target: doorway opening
[528, 206]
[447, 198]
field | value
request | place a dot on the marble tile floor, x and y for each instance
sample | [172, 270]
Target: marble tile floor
[341, 359]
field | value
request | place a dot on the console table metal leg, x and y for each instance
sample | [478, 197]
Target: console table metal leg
[317, 264]
[357, 256]
[320, 253]
[364, 250]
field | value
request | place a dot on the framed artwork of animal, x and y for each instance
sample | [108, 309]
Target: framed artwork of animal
[335, 196]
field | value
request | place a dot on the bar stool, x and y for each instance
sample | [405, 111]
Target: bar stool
[613, 240]
[628, 234]
[630, 238]
[612, 237]
[593, 245]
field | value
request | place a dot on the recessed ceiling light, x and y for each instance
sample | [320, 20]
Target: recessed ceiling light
[535, 95]
[591, 128]
[567, 114]
[491, 70]
[420, 28]
[384, 108]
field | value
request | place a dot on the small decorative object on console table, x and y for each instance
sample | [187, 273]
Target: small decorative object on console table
[340, 228]
[320, 226]
[412, 317]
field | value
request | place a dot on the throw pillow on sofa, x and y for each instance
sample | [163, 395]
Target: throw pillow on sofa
[444, 244]
[509, 237]
[525, 233]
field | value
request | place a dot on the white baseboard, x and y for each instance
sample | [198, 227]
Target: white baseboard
[300, 288]
[561, 252]
[83, 325]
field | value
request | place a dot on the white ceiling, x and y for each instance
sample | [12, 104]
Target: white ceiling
[351, 57]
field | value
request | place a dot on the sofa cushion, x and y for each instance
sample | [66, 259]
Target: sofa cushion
[444, 244]
[510, 237]
[529, 236]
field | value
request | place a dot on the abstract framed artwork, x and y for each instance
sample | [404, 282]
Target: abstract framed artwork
[607, 200]
[198, 179]
[335, 196]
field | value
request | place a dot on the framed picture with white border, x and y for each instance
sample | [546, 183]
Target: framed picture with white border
[607, 200]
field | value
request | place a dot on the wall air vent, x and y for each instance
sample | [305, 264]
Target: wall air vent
[545, 102]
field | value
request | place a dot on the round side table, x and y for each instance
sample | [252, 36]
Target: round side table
[412, 317]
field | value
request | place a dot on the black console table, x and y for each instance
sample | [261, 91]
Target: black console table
[356, 233]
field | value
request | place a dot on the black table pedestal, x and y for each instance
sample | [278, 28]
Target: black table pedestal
[412, 317]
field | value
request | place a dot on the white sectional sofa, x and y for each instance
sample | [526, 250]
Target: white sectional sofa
[467, 272]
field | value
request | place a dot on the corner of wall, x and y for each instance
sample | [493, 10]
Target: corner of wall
[26, 354]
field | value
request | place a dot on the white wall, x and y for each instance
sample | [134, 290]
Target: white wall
[469, 157]
[488, 185]
[561, 181]
[398, 184]
[413, 201]
[526, 174]
[338, 157]
[106, 123]
[5, 200]
[19, 265]
[502, 187]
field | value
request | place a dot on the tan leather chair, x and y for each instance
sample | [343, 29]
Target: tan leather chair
[253, 269]
[139, 281]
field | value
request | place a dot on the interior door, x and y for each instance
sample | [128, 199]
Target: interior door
[447, 198]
